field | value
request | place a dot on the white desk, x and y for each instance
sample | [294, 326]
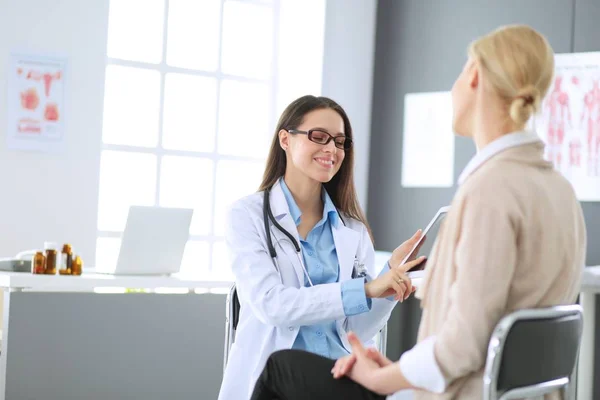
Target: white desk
[65, 301]
[88, 282]
[585, 370]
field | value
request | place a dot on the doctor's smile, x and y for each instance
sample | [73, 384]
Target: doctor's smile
[325, 162]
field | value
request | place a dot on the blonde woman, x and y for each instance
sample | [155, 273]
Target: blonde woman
[514, 238]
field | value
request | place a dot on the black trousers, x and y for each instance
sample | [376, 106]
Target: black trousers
[300, 375]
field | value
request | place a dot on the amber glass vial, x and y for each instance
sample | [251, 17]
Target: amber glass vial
[77, 266]
[38, 264]
[50, 262]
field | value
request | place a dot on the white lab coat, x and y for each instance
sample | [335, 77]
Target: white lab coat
[273, 307]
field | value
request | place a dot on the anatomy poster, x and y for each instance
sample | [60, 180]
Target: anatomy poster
[36, 102]
[569, 122]
[428, 145]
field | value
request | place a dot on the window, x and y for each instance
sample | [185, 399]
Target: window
[193, 90]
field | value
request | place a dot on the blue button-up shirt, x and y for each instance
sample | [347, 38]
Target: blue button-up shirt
[320, 259]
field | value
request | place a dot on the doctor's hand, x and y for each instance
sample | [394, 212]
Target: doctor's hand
[395, 283]
[404, 249]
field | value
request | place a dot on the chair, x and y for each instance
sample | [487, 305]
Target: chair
[533, 352]
[232, 317]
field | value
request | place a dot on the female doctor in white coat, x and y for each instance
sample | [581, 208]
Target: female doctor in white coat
[302, 253]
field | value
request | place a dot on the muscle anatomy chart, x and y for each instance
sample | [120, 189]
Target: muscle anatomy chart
[569, 122]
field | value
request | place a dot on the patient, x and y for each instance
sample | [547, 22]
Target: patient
[514, 238]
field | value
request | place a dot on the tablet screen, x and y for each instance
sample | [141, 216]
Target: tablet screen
[425, 245]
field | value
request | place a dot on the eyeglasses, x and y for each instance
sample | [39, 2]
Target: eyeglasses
[323, 138]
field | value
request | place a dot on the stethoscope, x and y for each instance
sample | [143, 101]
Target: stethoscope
[358, 271]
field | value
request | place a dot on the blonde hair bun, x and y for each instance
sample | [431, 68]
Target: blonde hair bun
[518, 63]
[525, 104]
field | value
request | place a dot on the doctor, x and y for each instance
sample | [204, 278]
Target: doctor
[302, 253]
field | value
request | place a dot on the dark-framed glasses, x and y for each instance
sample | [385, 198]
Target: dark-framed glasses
[321, 137]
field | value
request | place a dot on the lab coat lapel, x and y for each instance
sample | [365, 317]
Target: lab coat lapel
[346, 245]
[282, 215]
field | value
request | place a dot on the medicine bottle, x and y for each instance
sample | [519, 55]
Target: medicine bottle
[38, 264]
[66, 260]
[77, 267]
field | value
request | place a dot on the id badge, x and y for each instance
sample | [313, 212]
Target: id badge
[359, 270]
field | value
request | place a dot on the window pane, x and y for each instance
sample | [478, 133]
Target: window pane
[244, 127]
[193, 32]
[107, 253]
[187, 182]
[221, 265]
[248, 40]
[135, 30]
[190, 113]
[295, 79]
[235, 179]
[196, 260]
[125, 179]
[131, 106]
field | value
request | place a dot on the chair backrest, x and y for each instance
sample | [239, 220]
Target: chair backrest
[235, 308]
[533, 352]
[232, 317]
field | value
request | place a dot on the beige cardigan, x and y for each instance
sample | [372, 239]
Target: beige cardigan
[514, 238]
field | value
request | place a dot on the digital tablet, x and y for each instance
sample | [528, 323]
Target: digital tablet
[425, 244]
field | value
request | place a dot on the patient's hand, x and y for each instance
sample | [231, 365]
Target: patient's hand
[357, 366]
[403, 250]
[344, 365]
[379, 358]
[370, 369]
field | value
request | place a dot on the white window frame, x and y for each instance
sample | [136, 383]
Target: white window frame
[163, 68]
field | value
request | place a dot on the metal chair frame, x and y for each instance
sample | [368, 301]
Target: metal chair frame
[496, 349]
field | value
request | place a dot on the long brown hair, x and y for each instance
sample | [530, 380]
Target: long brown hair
[341, 187]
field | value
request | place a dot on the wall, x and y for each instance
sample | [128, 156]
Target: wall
[421, 46]
[349, 57]
[55, 197]
[48, 196]
[586, 34]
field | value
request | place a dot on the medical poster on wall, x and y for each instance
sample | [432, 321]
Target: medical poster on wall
[36, 102]
[569, 122]
[428, 144]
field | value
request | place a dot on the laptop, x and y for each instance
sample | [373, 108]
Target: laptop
[153, 241]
